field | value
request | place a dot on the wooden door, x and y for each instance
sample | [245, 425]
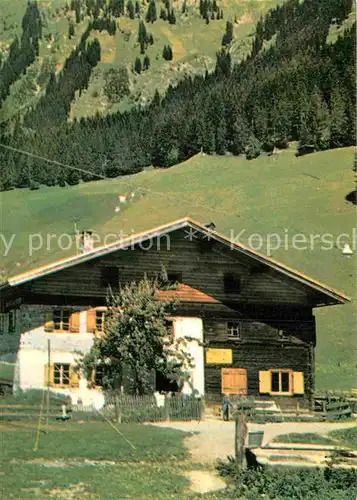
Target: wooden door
[234, 381]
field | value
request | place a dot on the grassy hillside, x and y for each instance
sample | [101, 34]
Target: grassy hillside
[194, 45]
[279, 194]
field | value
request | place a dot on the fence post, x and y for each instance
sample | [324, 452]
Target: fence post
[117, 409]
[241, 430]
[167, 408]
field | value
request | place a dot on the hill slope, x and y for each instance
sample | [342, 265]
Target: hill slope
[279, 194]
[194, 44]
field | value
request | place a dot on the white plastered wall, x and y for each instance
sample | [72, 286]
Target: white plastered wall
[193, 329]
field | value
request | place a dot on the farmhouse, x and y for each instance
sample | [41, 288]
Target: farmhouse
[250, 317]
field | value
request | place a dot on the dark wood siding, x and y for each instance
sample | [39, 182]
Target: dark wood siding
[262, 347]
[203, 270]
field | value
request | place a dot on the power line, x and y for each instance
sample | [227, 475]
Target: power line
[55, 162]
[195, 204]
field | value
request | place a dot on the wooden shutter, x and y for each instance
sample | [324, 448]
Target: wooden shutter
[73, 377]
[74, 322]
[48, 375]
[298, 382]
[49, 324]
[91, 320]
[234, 381]
[264, 382]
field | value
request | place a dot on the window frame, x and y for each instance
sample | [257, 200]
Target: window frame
[61, 383]
[231, 326]
[280, 392]
[61, 321]
[102, 313]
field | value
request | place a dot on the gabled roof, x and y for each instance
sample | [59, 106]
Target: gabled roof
[336, 296]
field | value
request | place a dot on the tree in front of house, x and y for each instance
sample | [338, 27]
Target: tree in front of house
[137, 341]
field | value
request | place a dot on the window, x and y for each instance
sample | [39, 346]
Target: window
[109, 276]
[174, 277]
[231, 283]
[233, 330]
[99, 321]
[280, 382]
[282, 335]
[284, 382]
[61, 320]
[61, 375]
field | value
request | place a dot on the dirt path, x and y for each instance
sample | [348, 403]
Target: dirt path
[212, 439]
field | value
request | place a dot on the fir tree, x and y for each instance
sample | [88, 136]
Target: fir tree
[71, 30]
[228, 36]
[151, 15]
[146, 63]
[137, 9]
[130, 8]
[137, 66]
[171, 17]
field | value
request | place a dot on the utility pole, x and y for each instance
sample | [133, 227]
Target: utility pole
[48, 379]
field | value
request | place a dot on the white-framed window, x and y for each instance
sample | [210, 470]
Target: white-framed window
[61, 319]
[99, 321]
[61, 374]
[233, 330]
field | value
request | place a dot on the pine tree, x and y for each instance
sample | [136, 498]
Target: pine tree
[228, 36]
[146, 63]
[130, 8]
[151, 15]
[163, 14]
[137, 66]
[167, 53]
[142, 33]
[71, 30]
[171, 17]
[137, 8]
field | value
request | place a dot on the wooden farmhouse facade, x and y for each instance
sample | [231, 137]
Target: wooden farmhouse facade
[250, 317]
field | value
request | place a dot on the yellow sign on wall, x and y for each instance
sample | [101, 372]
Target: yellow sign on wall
[219, 356]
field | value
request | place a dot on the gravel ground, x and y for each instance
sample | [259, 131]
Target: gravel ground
[215, 438]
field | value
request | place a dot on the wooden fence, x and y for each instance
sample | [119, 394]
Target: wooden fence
[127, 408]
[332, 407]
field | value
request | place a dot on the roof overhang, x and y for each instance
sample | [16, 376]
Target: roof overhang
[332, 296]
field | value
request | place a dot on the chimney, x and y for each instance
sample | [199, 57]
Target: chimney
[210, 225]
[85, 241]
